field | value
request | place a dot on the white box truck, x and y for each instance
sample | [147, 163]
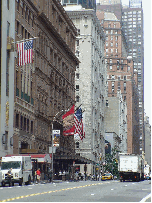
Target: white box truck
[130, 167]
[21, 170]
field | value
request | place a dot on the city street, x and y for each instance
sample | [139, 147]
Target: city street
[83, 191]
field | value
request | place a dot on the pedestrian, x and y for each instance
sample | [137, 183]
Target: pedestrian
[38, 172]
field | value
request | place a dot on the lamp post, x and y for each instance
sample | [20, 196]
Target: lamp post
[52, 139]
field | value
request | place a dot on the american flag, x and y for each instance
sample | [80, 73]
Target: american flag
[25, 52]
[79, 124]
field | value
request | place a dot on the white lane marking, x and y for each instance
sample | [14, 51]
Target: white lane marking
[1, 188]
[133, 183]
[92, 194]
[144, 189]
[111, 189]
[30, 188]
[145, 198]
[126, 185]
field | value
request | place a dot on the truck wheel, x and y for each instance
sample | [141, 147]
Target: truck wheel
[20, 183]
[10, 184]
[13, 184]
[3, 184]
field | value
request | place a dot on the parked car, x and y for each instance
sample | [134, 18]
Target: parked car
[107, 176]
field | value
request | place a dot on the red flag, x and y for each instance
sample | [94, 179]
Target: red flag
[68, 122]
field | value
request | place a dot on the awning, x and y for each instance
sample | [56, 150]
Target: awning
[41, 157]
[46, 158]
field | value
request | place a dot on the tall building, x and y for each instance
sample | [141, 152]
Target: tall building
[90, 82]
[121, 75]
[132, 28]
[34, 92]
[132, 25]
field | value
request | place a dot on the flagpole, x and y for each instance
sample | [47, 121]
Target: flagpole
[26, 40]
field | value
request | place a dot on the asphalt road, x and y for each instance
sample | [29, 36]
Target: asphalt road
[83, 191]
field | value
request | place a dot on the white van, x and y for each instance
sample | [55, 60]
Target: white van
[21, 169]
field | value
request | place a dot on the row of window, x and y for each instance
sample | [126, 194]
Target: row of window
[132, 12]
[111, 38]
[23, 9]
[111, 31]
[24, 124]
[119, 77]
[111, 44]
[118, 87]
[20, 30]
[112, 50]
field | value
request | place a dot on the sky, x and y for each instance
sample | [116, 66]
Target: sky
[147, 55]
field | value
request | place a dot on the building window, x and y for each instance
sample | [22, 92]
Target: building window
[24, 124]
[110, 67]
[111, 50]
[113, 77]
[21, 122]
[109, 25]
[107, 104]
[118, 85]
[116, 38]
[22, 31]
[27, 125]
[77, 87]
[111, 44]
[106, 31]
[116, 32]
[116, 50]
[111, 31]
[8, 4]
[77, 75]
[18, 4]
[125, 77]
[77, 98]
[31, 127]
[106, 44]
[111, 37]
[77, 42]
[17, 27]
[17, 120]
[8, 29]
[124, 98]
[77, 145]
[116, 44]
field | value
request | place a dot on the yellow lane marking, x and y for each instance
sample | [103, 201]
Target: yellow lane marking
[21, 197]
